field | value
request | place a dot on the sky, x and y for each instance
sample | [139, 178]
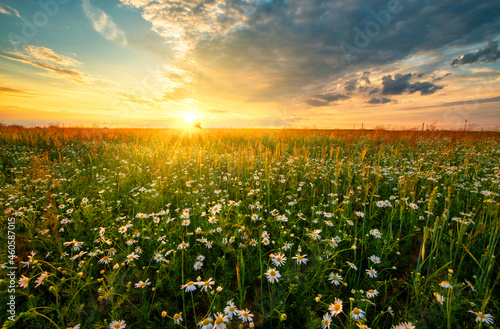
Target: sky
[251, 63]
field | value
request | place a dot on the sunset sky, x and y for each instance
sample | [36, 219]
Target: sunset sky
[250, 63]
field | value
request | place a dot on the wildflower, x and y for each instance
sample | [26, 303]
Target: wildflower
[74, 327]
[206, 324]
[446, 284]
[272, 275]
[178, 318]
[335, 278]
[413, 206]
[286, 246]
[380, 203]
[216, 209]
[327, 320]
[219, 321]
[371, 293]
[117, 324]
[375, 259]
[158, 257]
[41, 278]
[205, 284]
[278, 259]
[122, 230]
[301, 259]
[335, 308]
[23, 282]
[439, 298]
[230, 310]
[198, 265]
[404, 325]
[245, 315]
[111, 251]
[481, 317]
[357, 314]
[142, 285]
[105, 260]
[131, 257]
[183, 245]
[315, 235]
[391, 312]
[371, 273]
[376, 233]
[352, 266]
[188, 287]
[471, 286]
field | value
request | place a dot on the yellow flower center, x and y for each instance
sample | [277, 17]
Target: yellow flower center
[336, 307]
[206, 322]
[190, 283]
[272, 273]
[356, 311]
[371, 291]
[300, 257]
[244, 314]
[326, 322]
[177, 317]
[335, 278]
[231, 309]
[117, 326]
[219, 320]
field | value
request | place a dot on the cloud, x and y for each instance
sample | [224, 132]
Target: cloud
[382, 100]
[326, 99]
[47, 59]
[286, 51]
[4, 89]
[425, 88]
[401, 84]
[7, 10]
[103, 24]
[488, 54]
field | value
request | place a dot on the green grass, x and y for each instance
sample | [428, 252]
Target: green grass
[425, 204]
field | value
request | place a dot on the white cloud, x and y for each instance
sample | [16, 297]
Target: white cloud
[56, 65]
[7, 10]
[182, 23]
[103, 24]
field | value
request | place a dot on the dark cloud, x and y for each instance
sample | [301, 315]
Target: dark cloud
[351, 85]
[326, 99]
[401, 84]
[397, 86]
[440, 78]
[293, 48]
[374, 91]
[488, 54]
[382, 100]
[425, 88]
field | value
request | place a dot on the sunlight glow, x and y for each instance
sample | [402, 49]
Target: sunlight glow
[189, 117]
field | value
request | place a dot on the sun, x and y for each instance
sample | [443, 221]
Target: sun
[189, 117]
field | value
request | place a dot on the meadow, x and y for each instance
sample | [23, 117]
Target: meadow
[249, 228]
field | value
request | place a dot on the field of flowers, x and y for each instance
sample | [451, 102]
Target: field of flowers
[236, 229]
